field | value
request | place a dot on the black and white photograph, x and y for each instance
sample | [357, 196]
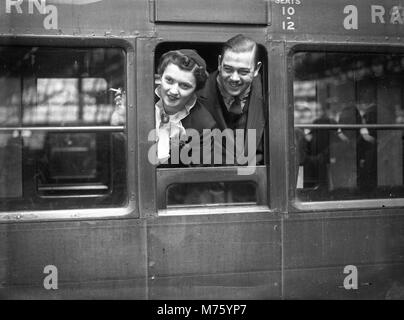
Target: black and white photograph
[201, 154]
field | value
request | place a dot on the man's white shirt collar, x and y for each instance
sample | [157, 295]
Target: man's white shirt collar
[229, 99]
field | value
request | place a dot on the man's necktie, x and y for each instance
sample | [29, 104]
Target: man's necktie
[236, 106]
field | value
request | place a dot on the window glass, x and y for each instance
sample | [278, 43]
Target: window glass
[349, 121]
[10, 97]
[10, 166]
[44, 164]
[67, 101]
[210, 193]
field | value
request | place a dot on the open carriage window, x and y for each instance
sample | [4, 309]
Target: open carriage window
[204, 168]
[349, 122]
[58, 150]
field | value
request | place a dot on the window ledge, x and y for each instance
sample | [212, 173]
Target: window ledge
[65, 214]
[213, 209]
[349, 204]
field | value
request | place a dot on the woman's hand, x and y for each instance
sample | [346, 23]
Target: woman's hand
[118, 117]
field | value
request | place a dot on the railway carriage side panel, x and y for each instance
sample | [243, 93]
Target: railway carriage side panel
[319, 253]
[222, 257]
[93, 260]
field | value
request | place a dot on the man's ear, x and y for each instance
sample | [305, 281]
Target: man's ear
[219, 61]
[257, 69]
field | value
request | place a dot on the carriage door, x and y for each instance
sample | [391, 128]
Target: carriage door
[212, 233]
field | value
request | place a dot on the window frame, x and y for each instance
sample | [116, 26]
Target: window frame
[149, 173]
[130, 207]
[339, 205]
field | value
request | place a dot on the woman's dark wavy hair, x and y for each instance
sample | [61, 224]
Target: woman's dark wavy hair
[186, 63]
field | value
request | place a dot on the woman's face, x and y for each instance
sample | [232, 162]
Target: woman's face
[177, 88]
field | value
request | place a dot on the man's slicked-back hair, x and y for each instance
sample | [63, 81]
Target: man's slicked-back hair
[241, 43]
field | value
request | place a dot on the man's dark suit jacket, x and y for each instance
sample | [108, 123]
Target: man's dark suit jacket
[211, 98]
[199, 118]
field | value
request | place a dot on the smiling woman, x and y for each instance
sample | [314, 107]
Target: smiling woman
[180, 74]
[177, 89]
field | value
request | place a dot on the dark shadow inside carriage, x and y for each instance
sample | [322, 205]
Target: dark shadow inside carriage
[209, 51]
[52, 103]
[182, 192]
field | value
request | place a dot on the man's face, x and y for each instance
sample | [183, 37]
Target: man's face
[237, 70]
[177, 88]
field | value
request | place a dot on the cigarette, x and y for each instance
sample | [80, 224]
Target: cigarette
[119, 90]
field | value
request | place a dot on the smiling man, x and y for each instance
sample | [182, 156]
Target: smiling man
[233, 93]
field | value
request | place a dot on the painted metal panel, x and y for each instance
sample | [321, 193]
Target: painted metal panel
[248, 285]
[215, 257]
[129, 289]
[381, 282]
[213, 11]
[343, 17]
[94, 259]
[74, 17]
[277, 125]
[316, 251]
[145, 119]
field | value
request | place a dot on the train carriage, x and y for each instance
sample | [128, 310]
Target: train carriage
[84, 214]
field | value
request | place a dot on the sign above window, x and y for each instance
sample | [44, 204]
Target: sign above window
[213, 11]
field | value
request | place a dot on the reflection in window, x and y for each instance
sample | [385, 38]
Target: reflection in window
[10, 98]
[42, 166]
[10, 165]
[67, 101]
[348, 139]
[235, 192]
[72, 163]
